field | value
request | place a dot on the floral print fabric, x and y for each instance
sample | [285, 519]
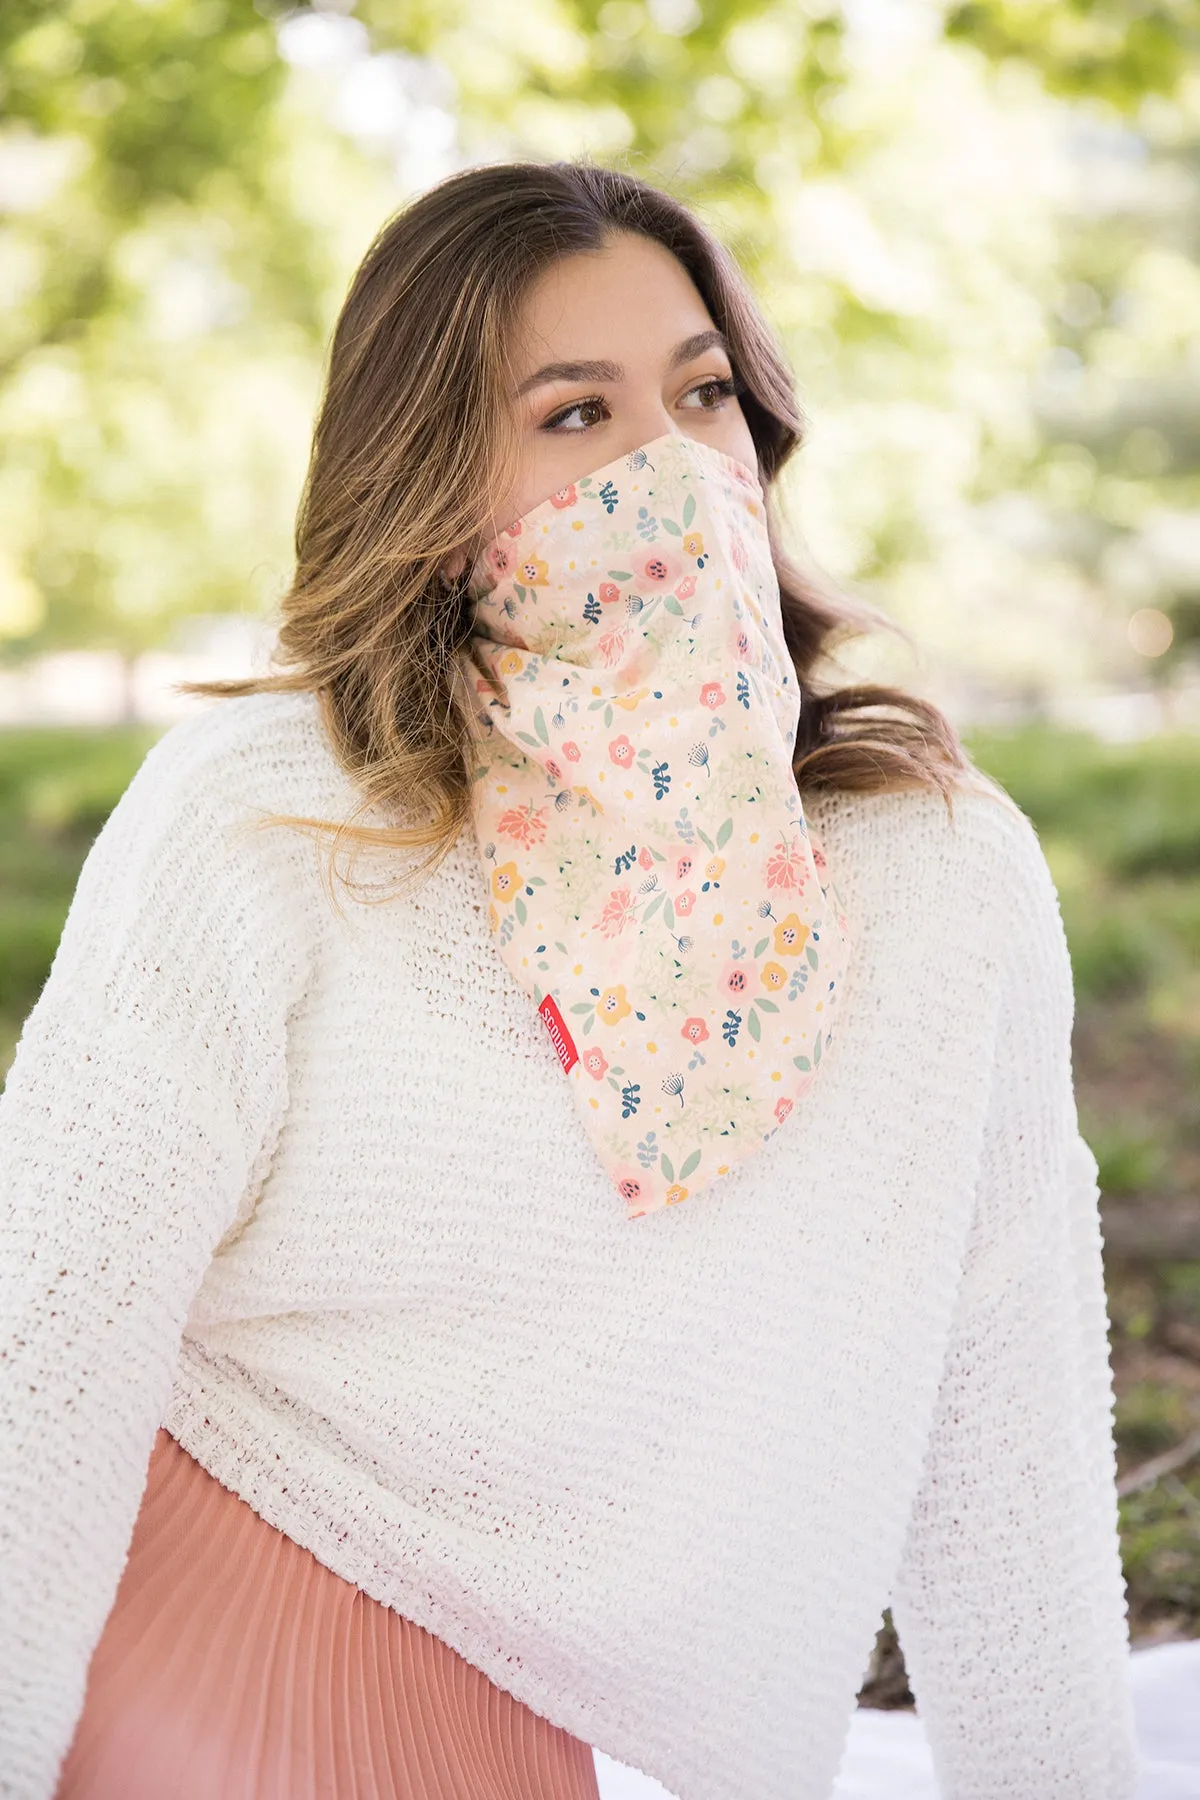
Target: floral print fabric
[654, 885]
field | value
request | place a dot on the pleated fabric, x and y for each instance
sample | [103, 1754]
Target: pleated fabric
[235, 1666]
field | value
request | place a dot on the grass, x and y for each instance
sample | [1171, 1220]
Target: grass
[1121, 830]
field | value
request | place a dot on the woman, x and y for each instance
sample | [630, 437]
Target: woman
[397, 1399]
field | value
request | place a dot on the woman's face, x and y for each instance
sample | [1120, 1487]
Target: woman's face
[612, 349]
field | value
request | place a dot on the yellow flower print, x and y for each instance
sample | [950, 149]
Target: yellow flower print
[714, 868]
[533, 571]
[506, 882]
[612, 1006]
[790, 936]
[675, 1194]
[773, 975]
[693, 543]
[630, 701]
[512, 662]
[493, 917]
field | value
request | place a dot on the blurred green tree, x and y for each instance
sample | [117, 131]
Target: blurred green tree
[994, 350]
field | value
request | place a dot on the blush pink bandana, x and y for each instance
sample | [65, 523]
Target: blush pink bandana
[654, 884]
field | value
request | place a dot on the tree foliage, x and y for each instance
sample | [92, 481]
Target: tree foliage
[185, 186]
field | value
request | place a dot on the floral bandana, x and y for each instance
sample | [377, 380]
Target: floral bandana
[654, 883]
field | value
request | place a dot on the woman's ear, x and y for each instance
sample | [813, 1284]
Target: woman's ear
[454, 564]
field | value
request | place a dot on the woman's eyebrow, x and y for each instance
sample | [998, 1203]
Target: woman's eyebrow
[684, 352]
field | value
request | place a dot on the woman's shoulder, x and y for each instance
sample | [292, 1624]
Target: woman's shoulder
[184, 837]
[266, 751]
[905, 851]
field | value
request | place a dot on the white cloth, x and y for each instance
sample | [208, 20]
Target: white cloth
[887, 1754]
[304, 1184]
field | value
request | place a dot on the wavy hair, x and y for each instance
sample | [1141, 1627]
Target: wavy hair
[401, 476]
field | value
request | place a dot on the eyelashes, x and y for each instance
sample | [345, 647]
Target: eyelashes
[729, 387]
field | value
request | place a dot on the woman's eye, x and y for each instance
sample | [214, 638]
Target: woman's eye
[594, 409]
[715, 392]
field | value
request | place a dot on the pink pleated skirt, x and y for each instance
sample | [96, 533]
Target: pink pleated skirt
[235, 1666]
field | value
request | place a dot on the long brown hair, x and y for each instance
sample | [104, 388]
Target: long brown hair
[415, 435]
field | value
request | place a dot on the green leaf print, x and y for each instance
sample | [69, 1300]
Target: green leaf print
[705, 840]
[693, 1162]
[582, 1006]
[539, 725]
[767, 1005]
[668, 915]
[519, 909]
[672, 605]
[526, 739]
[620, 574]
[753, 1026]
[689, 510]
[802, 1062]
[725, 833]
[668, 1168]
[817, 1049]
[760, 947]
[608, 716]
[813, 958]
[672, 527]
[652, 908]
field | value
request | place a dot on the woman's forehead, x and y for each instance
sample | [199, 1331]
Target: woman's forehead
[632, 301]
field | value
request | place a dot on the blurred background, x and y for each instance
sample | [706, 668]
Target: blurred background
[977, 230]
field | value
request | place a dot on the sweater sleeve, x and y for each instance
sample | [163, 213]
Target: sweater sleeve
[1010, 1600]
[139, 1116]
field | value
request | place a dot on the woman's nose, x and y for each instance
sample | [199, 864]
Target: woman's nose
[645, 426]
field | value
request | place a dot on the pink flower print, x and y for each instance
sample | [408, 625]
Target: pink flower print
[514, 530]
[565, 496]
[596, 1063]
[645, 858]
[684, 863]
[735, 979]
[552, 769]
[609, 592]
[695, 1031]
[782, 1108]
[629, 1186]
[737, 552]
[571, 751]
[685, 588]
[611, 645]
[501, 559]
[619, 911]
[526, 825]
[742, 645]
[818, 856]
[712, 695]
[683, 904]
[657, 569]
[621, 751]
[785, 867]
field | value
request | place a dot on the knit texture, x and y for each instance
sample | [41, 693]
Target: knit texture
[305, 1186]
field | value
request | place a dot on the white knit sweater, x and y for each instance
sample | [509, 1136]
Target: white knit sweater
[306, 1187]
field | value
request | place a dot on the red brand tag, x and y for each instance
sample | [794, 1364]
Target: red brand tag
[560, 1037]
